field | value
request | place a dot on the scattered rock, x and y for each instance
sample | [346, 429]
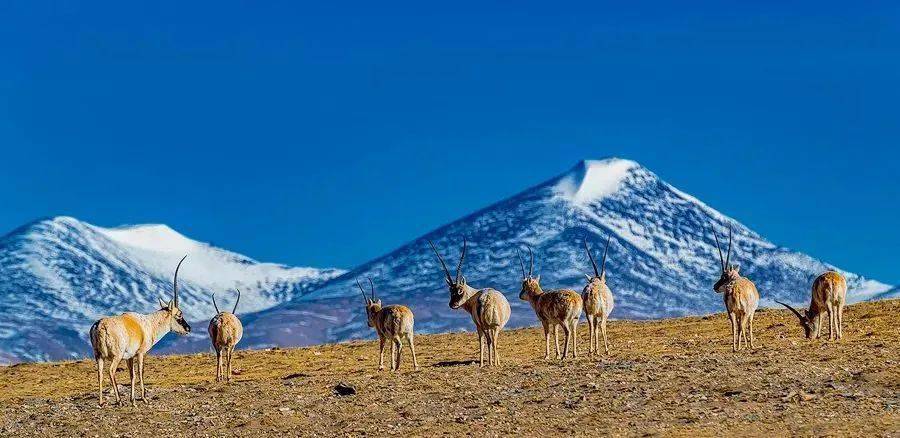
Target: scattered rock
[294, 376]
[344, 389]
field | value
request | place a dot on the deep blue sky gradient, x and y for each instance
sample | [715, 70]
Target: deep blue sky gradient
[326, 135]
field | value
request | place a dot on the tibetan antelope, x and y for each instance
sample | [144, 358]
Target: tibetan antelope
[129, 336]
[488, 307]
[598, 300]
[553, 308]
[225, 331]
[393, 323]
[740, 295]
[829, 293]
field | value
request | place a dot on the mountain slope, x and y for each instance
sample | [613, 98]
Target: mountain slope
[60, 274]
[662, 260]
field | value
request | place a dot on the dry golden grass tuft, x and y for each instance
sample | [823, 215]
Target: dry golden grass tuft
[669, 377]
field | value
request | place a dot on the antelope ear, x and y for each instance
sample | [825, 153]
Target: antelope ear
[162, 305]
[378, 302]
[462, 279]
[589, 278]
[737, 268]
[171, 304]
[538, 278]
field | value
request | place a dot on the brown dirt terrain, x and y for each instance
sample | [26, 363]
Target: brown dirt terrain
[669, 377]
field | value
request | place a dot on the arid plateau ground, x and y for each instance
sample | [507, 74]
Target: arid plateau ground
[668, 377]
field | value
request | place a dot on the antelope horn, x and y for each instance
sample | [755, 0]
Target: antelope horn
[591, 256]
[531, 268]
[441, 259]
[799, 316]
[728, 258]
[461, 258]
[521, 263]
[175, 281]
[214, 303]
[718, 248]
[372, 285]
[234, 310]
[603, 263]
[363, 291]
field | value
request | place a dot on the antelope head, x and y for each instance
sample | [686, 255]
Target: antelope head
[531, 284]
[373, 305]
[174, 315]
[460, 292]
[729, 273]
[807, 321]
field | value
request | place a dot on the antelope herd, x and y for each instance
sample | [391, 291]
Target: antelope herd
[131, 335]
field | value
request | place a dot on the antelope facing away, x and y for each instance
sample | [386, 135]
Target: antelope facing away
[598, 301]
[829, 293]
[740, 295]
[393, 323]
[129, 336]
[553, 308]
[225, 331]
[488, 307]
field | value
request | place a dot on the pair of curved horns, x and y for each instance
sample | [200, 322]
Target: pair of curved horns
[724, 261]
[234, 310]
[599, 273]
[522, 263]
[371, 284]
[462, 257]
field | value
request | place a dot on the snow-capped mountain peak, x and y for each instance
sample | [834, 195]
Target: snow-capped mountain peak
[662, 260]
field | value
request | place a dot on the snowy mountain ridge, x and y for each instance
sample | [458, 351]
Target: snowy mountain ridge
[61, 274]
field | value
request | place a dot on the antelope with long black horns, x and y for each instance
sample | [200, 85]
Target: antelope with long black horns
[555, 308]
[489, 308]
[393, 323]
[598, 300]
[740, 296]
[225, 331]
[130, 336]
[829, 294]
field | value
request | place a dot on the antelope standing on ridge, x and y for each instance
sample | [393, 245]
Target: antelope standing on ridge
[225, 331]
[392, 323]
[129, 336]
[598, 300]
[553, 308]
[740, 295]
[488, 307]
[829, 293]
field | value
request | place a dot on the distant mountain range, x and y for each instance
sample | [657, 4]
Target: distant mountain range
[61, 274]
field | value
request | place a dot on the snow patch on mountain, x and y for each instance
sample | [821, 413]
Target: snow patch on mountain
[593, 180]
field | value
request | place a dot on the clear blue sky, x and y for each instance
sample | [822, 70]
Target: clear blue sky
[327, 135]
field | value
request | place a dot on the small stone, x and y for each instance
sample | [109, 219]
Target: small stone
[344, 389]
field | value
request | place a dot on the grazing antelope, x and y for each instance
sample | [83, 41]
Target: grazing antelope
[129, 336]
[598, 300]
[225, 331]
[392, 323]
[553, 308]
[829, 293]
[740, 295]
[488, 307]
